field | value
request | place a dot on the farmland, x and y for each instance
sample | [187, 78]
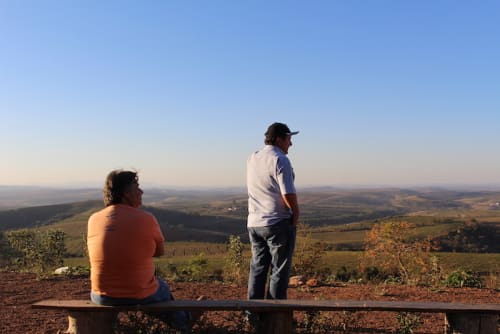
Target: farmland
[330, 247]
[337, 220]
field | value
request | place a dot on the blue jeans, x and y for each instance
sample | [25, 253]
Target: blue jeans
[272, 248]
[178, 319]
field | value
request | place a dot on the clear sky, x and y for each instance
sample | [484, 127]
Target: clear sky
[383, 92]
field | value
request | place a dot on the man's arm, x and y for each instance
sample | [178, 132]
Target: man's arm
[292, 203]
[158, 239]
[160, 249]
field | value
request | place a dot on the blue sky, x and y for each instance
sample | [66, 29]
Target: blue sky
[393, 93]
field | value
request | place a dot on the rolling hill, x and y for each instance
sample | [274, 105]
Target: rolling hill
[338, 217]
[72, 219]
[38, 216]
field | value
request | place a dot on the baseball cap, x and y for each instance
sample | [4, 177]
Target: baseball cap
[279, 130]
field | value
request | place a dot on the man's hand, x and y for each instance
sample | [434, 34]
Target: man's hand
[292, 203]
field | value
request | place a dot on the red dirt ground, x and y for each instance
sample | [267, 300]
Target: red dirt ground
[19, 291]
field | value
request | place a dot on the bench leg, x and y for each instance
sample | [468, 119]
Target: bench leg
[276, 322]
[90, 322]
[471, 323]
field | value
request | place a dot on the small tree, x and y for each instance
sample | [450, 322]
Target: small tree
[25, 248]
[52, 248]
[235, 260]
[393, 247]
[36, 250]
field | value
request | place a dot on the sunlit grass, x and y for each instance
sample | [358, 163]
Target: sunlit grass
[485, 263]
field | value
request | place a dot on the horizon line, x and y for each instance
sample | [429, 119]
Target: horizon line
[462, 186]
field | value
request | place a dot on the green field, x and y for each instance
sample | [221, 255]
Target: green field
[484, 263]
[337, 223]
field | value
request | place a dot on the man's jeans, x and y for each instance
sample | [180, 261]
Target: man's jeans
[272, 247]
[178, 319]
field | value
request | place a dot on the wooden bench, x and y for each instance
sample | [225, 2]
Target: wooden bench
[86, 317]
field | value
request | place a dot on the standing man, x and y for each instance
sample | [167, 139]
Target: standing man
[273, 213]
[122, 240]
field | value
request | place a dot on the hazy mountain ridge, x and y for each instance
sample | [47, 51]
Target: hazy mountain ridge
[208, 216]
[13, 197]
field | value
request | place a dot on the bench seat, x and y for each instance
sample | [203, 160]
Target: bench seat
[87, 317]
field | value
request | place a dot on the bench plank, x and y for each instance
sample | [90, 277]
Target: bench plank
[85, 317]
[277, 306]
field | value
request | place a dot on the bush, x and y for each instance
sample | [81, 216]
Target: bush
[463, 279]
[7, 253]
[78, 271]
[168, 272]
[345, 274]
[394, 248]
[374, 275]
[408, 321]
[308, 253]
[196, 269]
[36, 250]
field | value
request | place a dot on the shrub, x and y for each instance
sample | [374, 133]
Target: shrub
[196, 269]
[374, 275]
[345, 274]
[235, 260]
[169, 272]
[7, 253]
[36, 250]
[308, 253]
[463, 278]
[492, 279]
[408, 321]
[393, 247]
[78, 271]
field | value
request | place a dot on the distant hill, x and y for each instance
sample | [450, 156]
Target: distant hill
[213, 216]
[12, 197]
[195, 227]
[72, 219]
[322, 208]
[38, 216]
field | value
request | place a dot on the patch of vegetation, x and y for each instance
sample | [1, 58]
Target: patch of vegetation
[308, 253]
[472, 237]
[463, 279]
[235, 261]
[392, 246]
[408, 321]
[78, 271]
[327, 248]
[36, 250]
[196, 269]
